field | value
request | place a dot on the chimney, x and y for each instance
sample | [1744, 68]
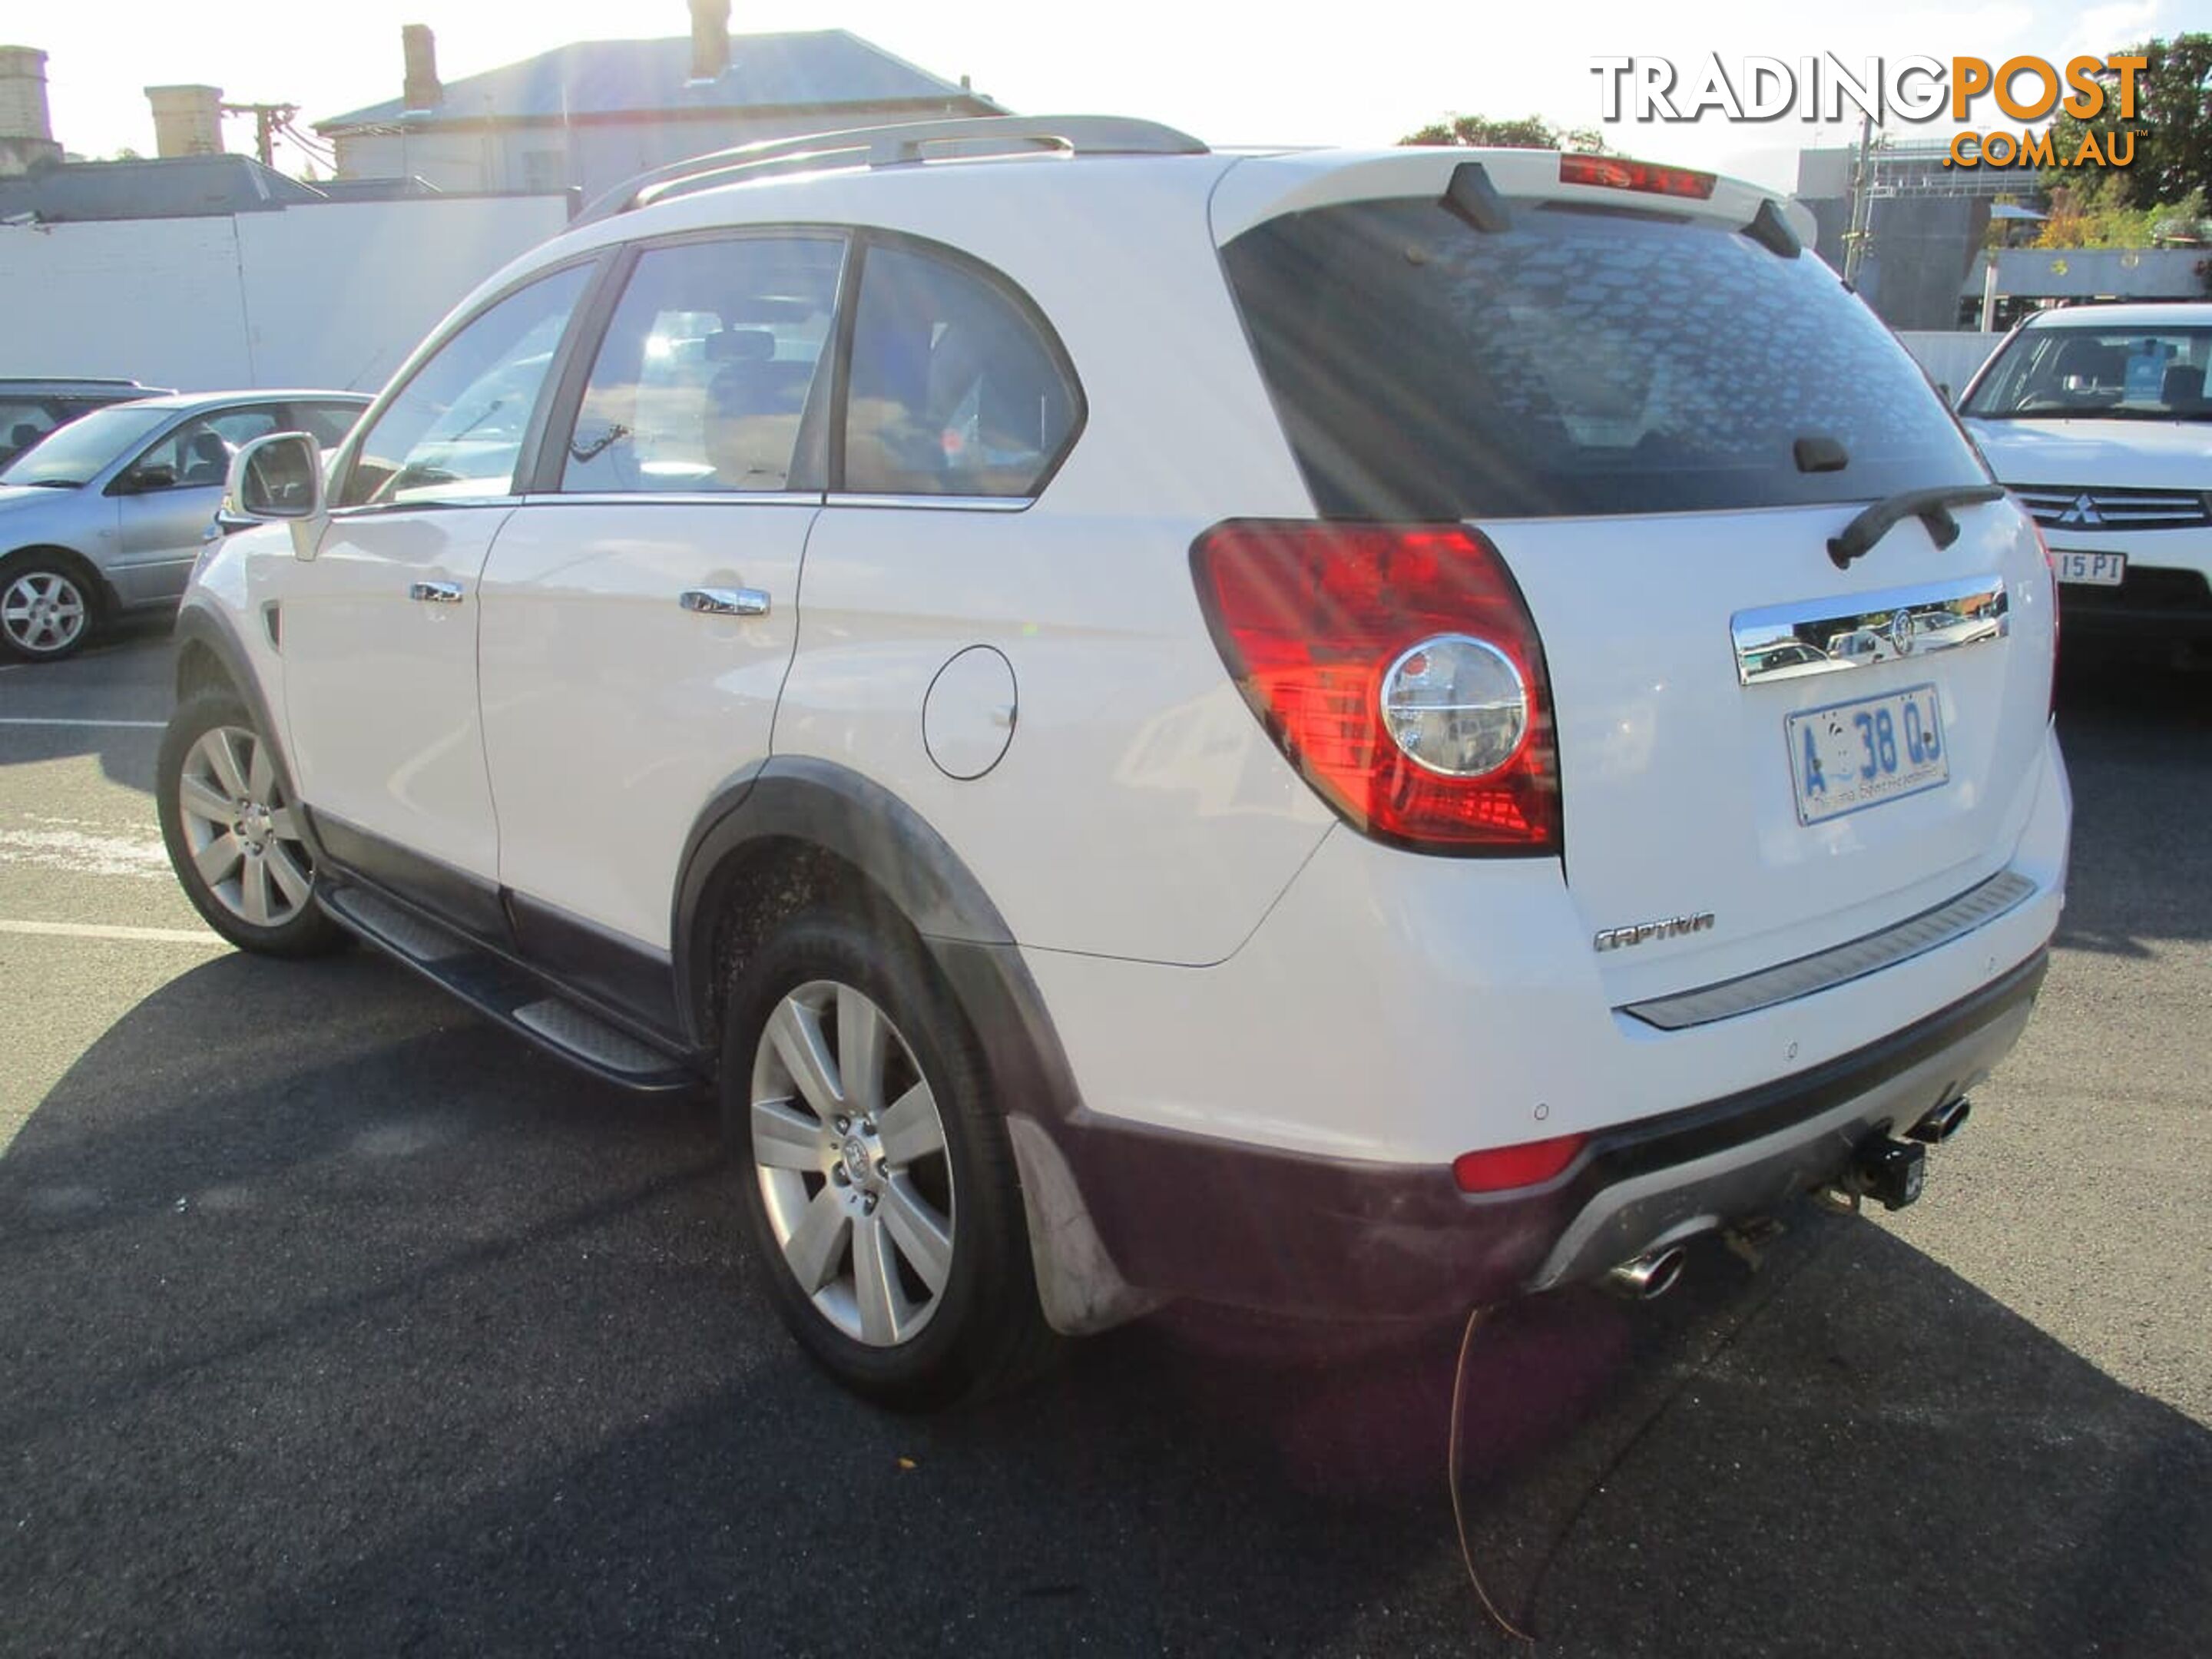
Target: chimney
[421, 89]
[187, 120]
[710, 38]
[26, 136]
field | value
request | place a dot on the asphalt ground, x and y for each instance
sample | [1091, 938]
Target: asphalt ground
[336, 1321]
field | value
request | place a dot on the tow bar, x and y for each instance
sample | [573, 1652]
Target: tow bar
[1887, 1170]
[1891, 1172]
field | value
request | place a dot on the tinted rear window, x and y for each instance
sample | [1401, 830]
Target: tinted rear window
[1578, 362]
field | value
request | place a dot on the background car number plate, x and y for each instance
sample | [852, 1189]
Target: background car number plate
[1854, 754]
[2096, 569]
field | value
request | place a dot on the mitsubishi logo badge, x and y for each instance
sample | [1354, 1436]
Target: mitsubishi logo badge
[2083, 512]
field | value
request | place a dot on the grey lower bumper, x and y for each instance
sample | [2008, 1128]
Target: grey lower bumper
[1642, 1212]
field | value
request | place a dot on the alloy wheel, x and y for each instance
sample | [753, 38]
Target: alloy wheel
[44, 612]
[849, 1151]
[242, 833]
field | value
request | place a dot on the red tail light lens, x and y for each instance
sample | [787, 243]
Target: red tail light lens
[1612, 172]
[1503, 1167]
[1398, 670]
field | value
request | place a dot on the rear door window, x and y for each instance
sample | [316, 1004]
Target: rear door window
[326, 424]
[23, 424]
[1580, 362]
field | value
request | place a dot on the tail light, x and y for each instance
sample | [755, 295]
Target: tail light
[1398, 669]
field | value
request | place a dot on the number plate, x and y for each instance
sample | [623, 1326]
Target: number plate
[1850, 755]
[2093, 569]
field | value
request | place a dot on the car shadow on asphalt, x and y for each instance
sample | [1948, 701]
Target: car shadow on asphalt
[124, 674]
[342, 1323]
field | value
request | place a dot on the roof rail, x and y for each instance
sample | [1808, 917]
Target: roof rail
[896, 146]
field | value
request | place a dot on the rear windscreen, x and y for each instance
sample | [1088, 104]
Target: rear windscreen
[1581, 361]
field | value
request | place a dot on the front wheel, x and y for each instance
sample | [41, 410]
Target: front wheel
[876, 1172]
[233, 833]
[46, 608]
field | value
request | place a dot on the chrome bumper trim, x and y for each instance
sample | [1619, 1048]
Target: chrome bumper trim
[1824, 969]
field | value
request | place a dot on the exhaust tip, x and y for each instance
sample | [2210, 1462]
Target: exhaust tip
[1941, 1122]
[1647, 1278]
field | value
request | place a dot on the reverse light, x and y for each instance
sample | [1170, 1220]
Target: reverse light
[1456, 705]
[1505, 1168]
[1614, 172]
[1398, 669]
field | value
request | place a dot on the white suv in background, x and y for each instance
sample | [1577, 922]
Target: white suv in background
[1349, 734]
[2096, 417]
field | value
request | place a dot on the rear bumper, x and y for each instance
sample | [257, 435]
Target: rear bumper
[1188, 1216]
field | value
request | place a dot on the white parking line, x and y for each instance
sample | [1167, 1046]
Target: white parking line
[131, 725]
[93, 930]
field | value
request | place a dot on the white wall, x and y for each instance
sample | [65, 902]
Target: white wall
[155, 302]
[334, 295]
[337, 294]
[1949, 357]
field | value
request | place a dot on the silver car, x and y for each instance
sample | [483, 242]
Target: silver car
[104, 515]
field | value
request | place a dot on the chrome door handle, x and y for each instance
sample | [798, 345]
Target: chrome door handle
[436, 592]
[724, 601]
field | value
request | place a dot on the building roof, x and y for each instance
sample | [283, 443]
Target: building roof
[821, 68]
[183, 187]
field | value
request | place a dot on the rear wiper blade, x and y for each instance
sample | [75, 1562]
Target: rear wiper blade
[1931, 507]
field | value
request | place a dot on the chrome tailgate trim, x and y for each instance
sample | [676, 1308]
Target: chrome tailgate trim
[1824, 636]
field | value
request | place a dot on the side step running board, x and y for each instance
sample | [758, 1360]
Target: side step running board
[505, 994]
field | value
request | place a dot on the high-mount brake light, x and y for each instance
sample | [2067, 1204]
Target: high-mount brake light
[1502, 1169]
[1398, 669]
[1612, 172]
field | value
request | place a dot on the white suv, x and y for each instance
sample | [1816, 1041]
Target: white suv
[1348, 734]
[2096, 417]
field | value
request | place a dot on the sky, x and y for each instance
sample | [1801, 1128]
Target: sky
[1232, 74]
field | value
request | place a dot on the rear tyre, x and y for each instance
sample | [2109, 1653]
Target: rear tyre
[875, 1170]
[48, 608]
[233, 829]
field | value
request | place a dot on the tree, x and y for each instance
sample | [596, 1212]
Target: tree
[2093, 211]
[2171, 124]
[1529, 132]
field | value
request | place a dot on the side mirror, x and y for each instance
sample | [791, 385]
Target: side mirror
[142, 480]
[279, 477]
